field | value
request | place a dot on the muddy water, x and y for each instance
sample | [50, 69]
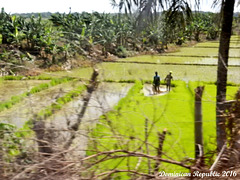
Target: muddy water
[148, 90]
[13, 88]
[102, 100]
[22, 112]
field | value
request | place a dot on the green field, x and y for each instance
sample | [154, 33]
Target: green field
[124, 126]
[214, 44]
[83, 73]
[166, 59]
[174, 111]
[210, 52]
[129, 71]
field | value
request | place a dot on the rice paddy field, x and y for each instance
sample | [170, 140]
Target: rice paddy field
[125, 126]
[173, 112]
[135, 114]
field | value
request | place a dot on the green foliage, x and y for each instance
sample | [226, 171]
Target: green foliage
[14, 100]
[13, 77]
[37, 33]
[11, 28]
[204, 23]
[13, 144]
[10, 144]
[124, 127]
[121, 52]
[66, 35]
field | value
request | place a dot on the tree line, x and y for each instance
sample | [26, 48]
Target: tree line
[62, 36]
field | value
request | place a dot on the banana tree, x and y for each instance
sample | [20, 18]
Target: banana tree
[124, 29]
[104, 32]
[17, 35]
[11, 28]
[4, 30]
[35, 32]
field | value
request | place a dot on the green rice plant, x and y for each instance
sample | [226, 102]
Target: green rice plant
[124, 127]
[41, 77]
[10, 144]
[198, 51]
[13, 77]
[44, 78]
[56, 106]
[130, 71]
[26, 78]
[59, 81]
[78, 73]
[16, 99]
[38, 88]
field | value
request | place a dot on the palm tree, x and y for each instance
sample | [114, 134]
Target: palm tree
[147, 11]
[226, 30]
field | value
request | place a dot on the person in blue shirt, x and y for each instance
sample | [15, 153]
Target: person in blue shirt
[156, 83]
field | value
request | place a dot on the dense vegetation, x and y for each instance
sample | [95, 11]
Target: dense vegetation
[95, 35]
[143, 134]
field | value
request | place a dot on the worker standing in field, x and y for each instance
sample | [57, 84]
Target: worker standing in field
[156, 82]
[168, 80]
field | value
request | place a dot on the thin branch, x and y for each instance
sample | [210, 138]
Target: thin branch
[135, 154]
[35, 166]
[219, 156]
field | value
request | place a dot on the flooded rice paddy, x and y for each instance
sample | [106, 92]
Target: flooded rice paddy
[12, 88]
[23, 111]
[197, 63]
[129, 71]
[102, 100]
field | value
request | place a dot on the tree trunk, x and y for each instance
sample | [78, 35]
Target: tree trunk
[228, 8]
[144, 16]
[198, 122]
[4, 39]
